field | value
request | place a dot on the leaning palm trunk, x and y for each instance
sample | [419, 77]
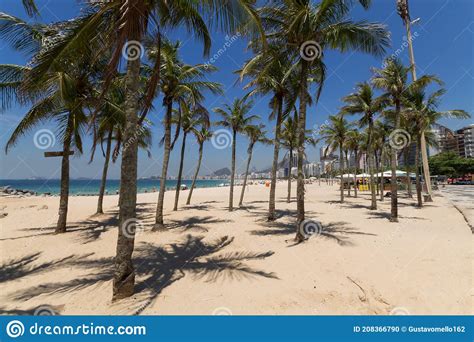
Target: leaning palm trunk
[164, 169]
[188, 201]
[180, 173]
[290, 166]
[301, 141]
[408, 179]
[393, 166]
[417, 174]
[341, 166]
[64, 194]
[232, 175]
[124, 274]
[271, 203]
[104, 174]
[249, 151]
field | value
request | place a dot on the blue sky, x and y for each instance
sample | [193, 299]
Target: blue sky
[443, 46]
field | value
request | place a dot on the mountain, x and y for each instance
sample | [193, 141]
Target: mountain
[221, 172]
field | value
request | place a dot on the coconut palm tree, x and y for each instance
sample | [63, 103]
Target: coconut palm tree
[354, 144]
[393, 79]
[120, 26]
[255, 134]
[271, 73]
[335, 135]
[179, 82]
[235, 117]
[307, 29]
[190, 119]
[289, 139]
[420, 110]
[108, 127]
[364, 102]
[61, 95]
[201, 136]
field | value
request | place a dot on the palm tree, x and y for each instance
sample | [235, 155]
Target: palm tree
[421, 111]
[271, 72]
[190, 119]
[363, 101]
[61, 95]
[117, 25]
[235, 117]
[108, 126]
[393, 79]
[289, 140]
[354, 144]
[201, 136]
[179, 82]
[307, 29]
[335, 135]
[256, 134]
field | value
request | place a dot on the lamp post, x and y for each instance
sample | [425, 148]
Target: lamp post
[403, 11]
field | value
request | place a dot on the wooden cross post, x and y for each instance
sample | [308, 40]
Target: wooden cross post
[56, 154]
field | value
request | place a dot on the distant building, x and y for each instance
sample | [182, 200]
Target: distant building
[468, 133]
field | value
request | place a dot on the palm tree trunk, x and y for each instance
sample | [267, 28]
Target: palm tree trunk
[417, 174]
[407, 166]
[164, 170]
[382, 179]
[124, 274]
[393, 166]
[290, 166]
[250, 149]
[341, 166]
[370, 162]
[64, 193]
[276, 149]
[355, 174]
[232, 173]
[348, 179]
[180, 172]
[301, 141]
[104, 174]
[188, 201]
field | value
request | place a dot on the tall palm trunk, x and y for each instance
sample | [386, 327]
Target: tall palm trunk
[188, 201]
[290, 166]
[407, 166]
[164, 169]
[382, 179]
[417, 174]
[232, 172]
[104, 174]
[276, 149]
[393, 165]
[249, 158]
[124, 275]
[370, 162]
[341, 166]
[301, 140]
[64, 193]
[180, 172]
[348, 179]
[355, 173]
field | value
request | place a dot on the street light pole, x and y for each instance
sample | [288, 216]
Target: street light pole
[403, 11]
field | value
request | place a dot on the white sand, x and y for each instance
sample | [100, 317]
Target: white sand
[361, 264]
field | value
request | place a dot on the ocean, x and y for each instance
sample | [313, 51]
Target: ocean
[91, 186]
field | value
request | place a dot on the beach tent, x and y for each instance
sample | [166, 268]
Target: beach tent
[363, 175]
[346, 175]
[399, 173]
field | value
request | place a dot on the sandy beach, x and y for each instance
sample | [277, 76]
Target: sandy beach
[211, 261]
